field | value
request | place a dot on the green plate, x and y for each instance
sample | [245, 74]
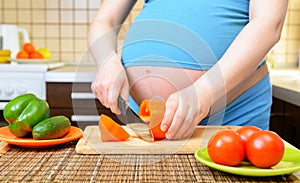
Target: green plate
[290, 163]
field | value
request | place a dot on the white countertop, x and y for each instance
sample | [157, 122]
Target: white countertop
[286, 85]
[72, 73]
[285, 82]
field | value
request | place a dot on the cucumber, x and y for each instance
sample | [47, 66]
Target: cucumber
[51, 128]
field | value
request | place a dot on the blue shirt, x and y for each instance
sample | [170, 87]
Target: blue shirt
[190, 34]
[195, 34]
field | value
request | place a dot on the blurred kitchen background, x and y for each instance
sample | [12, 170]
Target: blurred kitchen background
[287, 51]
[61, 26]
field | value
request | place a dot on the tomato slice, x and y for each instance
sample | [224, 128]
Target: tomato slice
[111, 131]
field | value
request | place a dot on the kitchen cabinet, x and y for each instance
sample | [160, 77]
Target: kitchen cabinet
[2, 120]
[285, 120]
[277, 116]
[61, 103]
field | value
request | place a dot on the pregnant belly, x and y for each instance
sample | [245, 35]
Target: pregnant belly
[148, 82]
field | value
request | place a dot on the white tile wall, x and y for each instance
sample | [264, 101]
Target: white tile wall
[62, 26]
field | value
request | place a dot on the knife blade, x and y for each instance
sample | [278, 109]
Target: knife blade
[133, 121]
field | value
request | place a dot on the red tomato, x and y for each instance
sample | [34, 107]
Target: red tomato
[264, 149]
[246, 131]
[22, 54]
[36, 55]
[157, 133]
[29, 48]
[226, 147]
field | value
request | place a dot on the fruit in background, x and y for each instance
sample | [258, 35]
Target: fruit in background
[22, 55]
[4, 56]
[29, 48]
[36, 55]
[46, 53]
[29, 52]
[5, 53]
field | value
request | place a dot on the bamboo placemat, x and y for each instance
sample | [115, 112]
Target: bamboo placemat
[63, 164]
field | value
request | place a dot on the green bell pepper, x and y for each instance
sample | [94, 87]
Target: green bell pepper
[24, 112]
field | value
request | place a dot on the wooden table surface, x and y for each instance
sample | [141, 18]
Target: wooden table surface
[62, 164]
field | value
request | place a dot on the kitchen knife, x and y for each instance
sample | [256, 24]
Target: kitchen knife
[133, 121]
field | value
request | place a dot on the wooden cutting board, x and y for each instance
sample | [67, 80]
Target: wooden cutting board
[3, 147]
[90, 143]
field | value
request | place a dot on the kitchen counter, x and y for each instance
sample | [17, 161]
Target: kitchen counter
[72, 73]
[285, 82]
[286, 85]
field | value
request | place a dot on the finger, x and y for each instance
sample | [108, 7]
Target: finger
[194, 121]
[96, 92]
[176, 123]
[124, 93]
[96, 88]
[113, 99]
[187, 125]
[193, 117]
[113, 102]
[188, 133]
[104, 97]
[199, 116]
[99, 97]
[171, 107]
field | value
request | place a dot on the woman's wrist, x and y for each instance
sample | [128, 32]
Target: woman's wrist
[204, 91]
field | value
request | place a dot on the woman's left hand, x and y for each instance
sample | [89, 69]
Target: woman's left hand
[184, 110]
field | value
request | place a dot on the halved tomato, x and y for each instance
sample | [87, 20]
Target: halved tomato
[152, 112]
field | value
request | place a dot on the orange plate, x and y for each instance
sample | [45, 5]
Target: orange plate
[8, 137]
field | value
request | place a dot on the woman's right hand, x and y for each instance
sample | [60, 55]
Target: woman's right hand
[110, 83]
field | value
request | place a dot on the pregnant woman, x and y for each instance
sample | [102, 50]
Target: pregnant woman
[205, 58]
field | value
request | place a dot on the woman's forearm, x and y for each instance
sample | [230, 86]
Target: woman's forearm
[243, 56]
[102, 41]
[248, 51]
[102, 37]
